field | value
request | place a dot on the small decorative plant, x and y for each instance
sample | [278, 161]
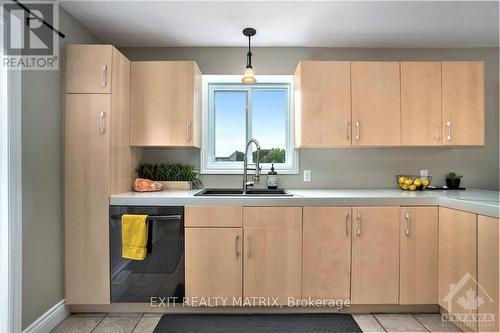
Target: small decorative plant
[453, 180]
[453, 175]
[165, 172]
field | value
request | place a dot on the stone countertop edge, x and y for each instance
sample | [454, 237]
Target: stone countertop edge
[481, 202]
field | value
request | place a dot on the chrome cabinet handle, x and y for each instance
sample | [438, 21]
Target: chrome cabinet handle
[348, 130]
[407, 218]
[188, 131]
[347, 223]
[358, 229]
[448, 125]
[357, 131]
[102, 122]
[249, 247]
[104, 76]
[237, 247]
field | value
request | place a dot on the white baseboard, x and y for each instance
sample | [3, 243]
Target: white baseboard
[50, 319]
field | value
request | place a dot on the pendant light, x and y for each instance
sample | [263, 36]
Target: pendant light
[249, 75]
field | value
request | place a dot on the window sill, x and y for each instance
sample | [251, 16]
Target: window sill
[240, 172]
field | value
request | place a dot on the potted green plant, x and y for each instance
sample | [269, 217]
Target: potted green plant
[453, 180]
[171, 176]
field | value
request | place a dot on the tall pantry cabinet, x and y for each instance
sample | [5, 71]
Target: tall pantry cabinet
[96, 121]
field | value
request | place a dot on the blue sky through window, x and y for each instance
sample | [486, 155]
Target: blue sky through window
[268, 120]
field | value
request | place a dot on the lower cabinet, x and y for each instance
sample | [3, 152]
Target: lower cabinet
[457, 263]
[418, 269]
[326, 253]
[214, 262]
[487, 273]
[375, 255]
[262, 259]
[273, 252]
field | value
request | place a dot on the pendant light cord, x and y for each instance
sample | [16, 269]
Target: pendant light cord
[249, 54]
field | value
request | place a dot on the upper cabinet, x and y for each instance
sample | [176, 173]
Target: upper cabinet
[165, 104]
[389, 104]
[89, 69]
[421, 103]
[376, 116]
[323, 104]
[463, 103]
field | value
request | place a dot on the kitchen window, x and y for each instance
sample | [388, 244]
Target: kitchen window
[234, 112]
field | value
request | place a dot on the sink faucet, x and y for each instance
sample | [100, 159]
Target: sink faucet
[257, 168]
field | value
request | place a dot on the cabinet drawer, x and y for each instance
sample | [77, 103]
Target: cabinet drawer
[213, 216]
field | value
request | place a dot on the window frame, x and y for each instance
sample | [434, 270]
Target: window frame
[210, 83]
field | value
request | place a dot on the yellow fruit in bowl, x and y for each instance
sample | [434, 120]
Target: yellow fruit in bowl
[404, 186]
[417, 182]
[425, 182]
[412, 187]
[401, 180]
[408, 181]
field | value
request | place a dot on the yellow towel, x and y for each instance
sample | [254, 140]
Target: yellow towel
[134, 236]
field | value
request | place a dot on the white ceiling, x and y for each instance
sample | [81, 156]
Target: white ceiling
[291, 23]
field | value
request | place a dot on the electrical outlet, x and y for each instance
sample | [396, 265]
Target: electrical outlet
[424, 173]
[307, 175]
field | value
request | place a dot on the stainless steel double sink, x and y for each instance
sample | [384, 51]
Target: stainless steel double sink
[212, 192]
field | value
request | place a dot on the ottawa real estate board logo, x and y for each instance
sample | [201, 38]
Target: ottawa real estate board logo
[30, 35]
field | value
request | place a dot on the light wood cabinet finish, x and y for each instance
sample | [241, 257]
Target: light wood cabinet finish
[273, 251]
[487, 270]
[124, 159]
[98, 162]
[463, 103]
[214, 262]
[326, 254]
[375, 255]
[376, 103]
[213, 216]
[323, 104]
[421, 103]
[165, 105]
[89, 69]
[87, 186]
[457, 257]
[418, 280]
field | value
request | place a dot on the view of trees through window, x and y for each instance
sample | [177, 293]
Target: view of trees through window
[256, 112]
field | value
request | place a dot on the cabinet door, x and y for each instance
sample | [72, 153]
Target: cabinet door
[421, 103]
[487, 271]
[457, 260]
[88, 69]
[376, 116]
[273, 252]
[214, 263]
[164, 104]
[463, 103]
[323, 107]
[326, 253]
[375, 255]
[87, 188]
[418, 278]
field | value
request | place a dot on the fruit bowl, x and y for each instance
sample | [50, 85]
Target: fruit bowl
[412, 183]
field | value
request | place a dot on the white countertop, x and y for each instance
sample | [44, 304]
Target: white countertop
[476, 201]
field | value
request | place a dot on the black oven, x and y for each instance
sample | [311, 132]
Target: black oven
[161, 273]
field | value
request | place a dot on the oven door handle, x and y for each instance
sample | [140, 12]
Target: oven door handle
[154, 217]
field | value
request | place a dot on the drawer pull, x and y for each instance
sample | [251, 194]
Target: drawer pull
[407, 218]
[249, 246]
[358, 229]
[104, 76]
[237, 246]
